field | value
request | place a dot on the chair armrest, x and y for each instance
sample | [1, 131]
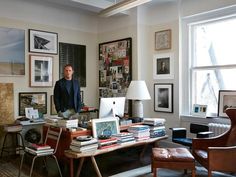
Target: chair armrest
[226, 158]
[204, 143]
[178, 132]
[204, 134]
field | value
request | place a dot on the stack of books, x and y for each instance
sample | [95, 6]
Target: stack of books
[84, 146]
[141, 132]
[125, 138]
[157, 126]
[12, 127]
[39, 149]
[107, 143]
[67, 123]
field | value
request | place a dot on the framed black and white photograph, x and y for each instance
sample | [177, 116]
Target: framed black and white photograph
[163, 66]
[227, 99]
[163, 40]
[199, 110]
[41, 71]
[35, 100]
[163, 97]
[43, 42]
[105, 127]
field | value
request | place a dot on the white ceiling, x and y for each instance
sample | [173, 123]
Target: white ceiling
[94, 6]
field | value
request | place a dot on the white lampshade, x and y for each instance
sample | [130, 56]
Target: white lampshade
[138, 91]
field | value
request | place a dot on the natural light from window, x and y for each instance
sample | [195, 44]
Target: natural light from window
[213, 61]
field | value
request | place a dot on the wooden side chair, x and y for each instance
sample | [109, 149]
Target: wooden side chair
[218, 153]
[52, 138]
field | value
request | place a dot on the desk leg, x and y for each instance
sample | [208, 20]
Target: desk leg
[80, 166]
[96, 166]
[71, 167]
[143, 151]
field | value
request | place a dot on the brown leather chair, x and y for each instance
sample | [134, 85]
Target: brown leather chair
[218, 153]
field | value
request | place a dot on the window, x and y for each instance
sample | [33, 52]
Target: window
[212, 60]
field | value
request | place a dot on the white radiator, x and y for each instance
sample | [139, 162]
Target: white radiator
[218, 128]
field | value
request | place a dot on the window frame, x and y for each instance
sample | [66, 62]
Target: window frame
[187, 57]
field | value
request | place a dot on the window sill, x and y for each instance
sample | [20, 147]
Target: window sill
[194, 119]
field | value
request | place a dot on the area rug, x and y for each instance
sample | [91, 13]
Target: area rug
[146, 172]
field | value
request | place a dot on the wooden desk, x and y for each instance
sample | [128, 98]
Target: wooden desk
[74, 155]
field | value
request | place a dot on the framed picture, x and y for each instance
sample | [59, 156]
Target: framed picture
[43, 41]
[227, 99]
[115, 69]
[74, 54]
[52, 106]
[105, 126]
[35, 100]
[163, 40]
[163, 97]
[40, 71]
[12, 52]
[163, 66]
[199, 110]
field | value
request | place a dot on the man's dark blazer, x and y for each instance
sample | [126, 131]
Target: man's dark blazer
[61, 95]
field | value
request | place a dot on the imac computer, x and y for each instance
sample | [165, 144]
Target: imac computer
[112, 107]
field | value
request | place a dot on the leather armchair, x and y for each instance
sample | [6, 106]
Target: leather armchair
[218, 153]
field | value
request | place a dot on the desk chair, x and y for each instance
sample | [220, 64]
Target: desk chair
[52, 139]
[12, 131]
[179, 135]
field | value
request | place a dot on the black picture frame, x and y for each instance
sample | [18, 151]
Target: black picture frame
[37, 100]
[115, 69]
[226, 99]
[74, 54]
[163, 97]
[43, 42]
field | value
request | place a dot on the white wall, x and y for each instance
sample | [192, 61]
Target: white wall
[71, 27]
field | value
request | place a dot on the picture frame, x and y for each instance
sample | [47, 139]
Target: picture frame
[12, 52]
[226, 99]
[53, 110]
[75, 54]
[43, 42]
[163, 66]
[36, 100]
[106, 126]
[163, 98]
[163, 39]
[199, 110]
[41, 69]
[115, 69]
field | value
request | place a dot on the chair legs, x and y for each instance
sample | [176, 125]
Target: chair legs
[32, 165]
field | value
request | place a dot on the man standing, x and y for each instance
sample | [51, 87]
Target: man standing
[67, 94]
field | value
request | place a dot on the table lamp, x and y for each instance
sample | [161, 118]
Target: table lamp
[137, 92]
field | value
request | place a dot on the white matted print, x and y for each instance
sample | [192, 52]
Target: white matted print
[40, 71]
[43, 41]
[227, 99]
[199, 110]
[163, 66]
[105, 126]
[163, 97]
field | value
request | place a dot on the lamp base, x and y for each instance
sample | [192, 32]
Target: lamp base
[137, 109]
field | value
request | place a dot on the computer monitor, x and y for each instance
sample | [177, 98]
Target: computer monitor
[112, 107]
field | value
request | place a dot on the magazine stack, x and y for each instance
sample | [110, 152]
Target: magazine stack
[107, 143]
[141, 132]
[157, 126]
[82, 145]
[125, 138]
[39, 149]
[67, 123]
